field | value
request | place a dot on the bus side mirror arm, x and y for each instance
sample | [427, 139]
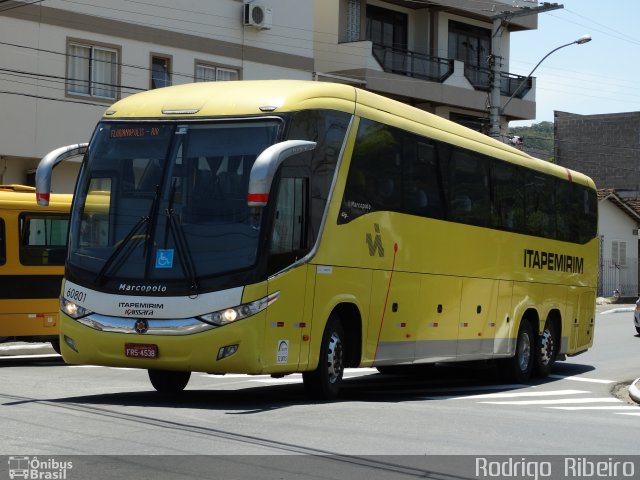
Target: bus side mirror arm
[46, 166]
[266, 166]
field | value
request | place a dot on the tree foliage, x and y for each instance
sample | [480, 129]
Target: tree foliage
[539, 136]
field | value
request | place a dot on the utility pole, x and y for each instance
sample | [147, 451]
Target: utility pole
[498, 23]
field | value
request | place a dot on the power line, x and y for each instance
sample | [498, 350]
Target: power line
[20, 5]
[65, 100]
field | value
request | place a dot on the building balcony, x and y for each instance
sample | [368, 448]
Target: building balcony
[480, 79]
[438, 69]
[428, 82]
[413, 64]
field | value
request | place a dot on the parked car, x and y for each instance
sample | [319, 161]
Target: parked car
[636, 316]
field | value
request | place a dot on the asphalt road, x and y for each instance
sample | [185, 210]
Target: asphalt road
[48, 408]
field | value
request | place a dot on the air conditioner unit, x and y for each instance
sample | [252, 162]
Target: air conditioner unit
[257, 15]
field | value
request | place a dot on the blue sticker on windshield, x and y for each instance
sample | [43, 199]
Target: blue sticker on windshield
[164, 258]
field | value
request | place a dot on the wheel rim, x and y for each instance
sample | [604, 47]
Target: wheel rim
[524, 349]
[335, 358]
[547, 347]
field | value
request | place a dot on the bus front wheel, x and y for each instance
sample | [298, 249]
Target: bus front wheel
[168, 381]
[324, 382]
[519, 367]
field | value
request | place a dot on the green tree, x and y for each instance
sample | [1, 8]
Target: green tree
[538, 138]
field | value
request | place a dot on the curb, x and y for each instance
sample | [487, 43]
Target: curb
[634, 391]
[617, 310]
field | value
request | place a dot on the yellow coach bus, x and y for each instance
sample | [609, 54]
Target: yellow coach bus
[33, 242]
[272, 227]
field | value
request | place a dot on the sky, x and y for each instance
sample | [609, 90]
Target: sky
[602, 76]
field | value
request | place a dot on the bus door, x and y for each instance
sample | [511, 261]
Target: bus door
[288, 318]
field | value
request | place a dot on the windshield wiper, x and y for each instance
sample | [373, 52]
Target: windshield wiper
[120, 247]
[184, 252]
[148, 234]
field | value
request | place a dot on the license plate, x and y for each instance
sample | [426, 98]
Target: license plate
[140, 350]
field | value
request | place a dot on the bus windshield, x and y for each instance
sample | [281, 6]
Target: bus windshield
[155, 196]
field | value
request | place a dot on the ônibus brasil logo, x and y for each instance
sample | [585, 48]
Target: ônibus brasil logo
[34, 468]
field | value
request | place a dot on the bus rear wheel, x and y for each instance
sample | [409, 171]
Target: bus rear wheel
[168, 381]
[324, 382]
[519, 367]
[546, 350]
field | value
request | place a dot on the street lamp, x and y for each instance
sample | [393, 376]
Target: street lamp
[495, 123]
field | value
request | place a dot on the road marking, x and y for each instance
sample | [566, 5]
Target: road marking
[581, 379]
[609, 407]
[557, 401]
[635, 414]
[521, 394]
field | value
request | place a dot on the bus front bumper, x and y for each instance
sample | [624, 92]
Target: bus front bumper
[232, 348]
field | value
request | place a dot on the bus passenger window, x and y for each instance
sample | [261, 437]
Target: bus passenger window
[469, 188]
[422, 193]
[3, 244]
[43, 240]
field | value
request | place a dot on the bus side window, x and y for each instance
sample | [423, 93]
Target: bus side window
[3, 243]
[507, 205]
[288, 234]
[43, 240]
[422, 192]
[469, 200]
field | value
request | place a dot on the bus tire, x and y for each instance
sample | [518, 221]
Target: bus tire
[519, 367]
[324, 382]
[546, 350]
[168, 381]
[55, 344]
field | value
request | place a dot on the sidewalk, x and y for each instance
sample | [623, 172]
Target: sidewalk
[24, 348]
[604, 308]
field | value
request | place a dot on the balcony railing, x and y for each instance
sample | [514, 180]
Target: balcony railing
[413, 64]
[480, 78]
[438, 69]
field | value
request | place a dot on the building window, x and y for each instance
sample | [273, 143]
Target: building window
[387, 28]
[92, 70]
[160, 72]
[469, 44]
[619, 253]
[211, 73]
[353, 20]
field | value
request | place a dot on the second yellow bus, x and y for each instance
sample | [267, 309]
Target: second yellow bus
[33, 246]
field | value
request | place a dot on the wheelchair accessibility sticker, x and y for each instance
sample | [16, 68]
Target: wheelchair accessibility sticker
[164, 258]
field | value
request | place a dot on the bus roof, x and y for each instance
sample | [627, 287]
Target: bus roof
[23, 197]
[264, 97]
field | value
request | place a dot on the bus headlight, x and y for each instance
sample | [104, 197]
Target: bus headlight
[232, 314]
[72, 309]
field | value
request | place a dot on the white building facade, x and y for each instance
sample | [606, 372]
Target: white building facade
[63, 63]
[618, 227]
